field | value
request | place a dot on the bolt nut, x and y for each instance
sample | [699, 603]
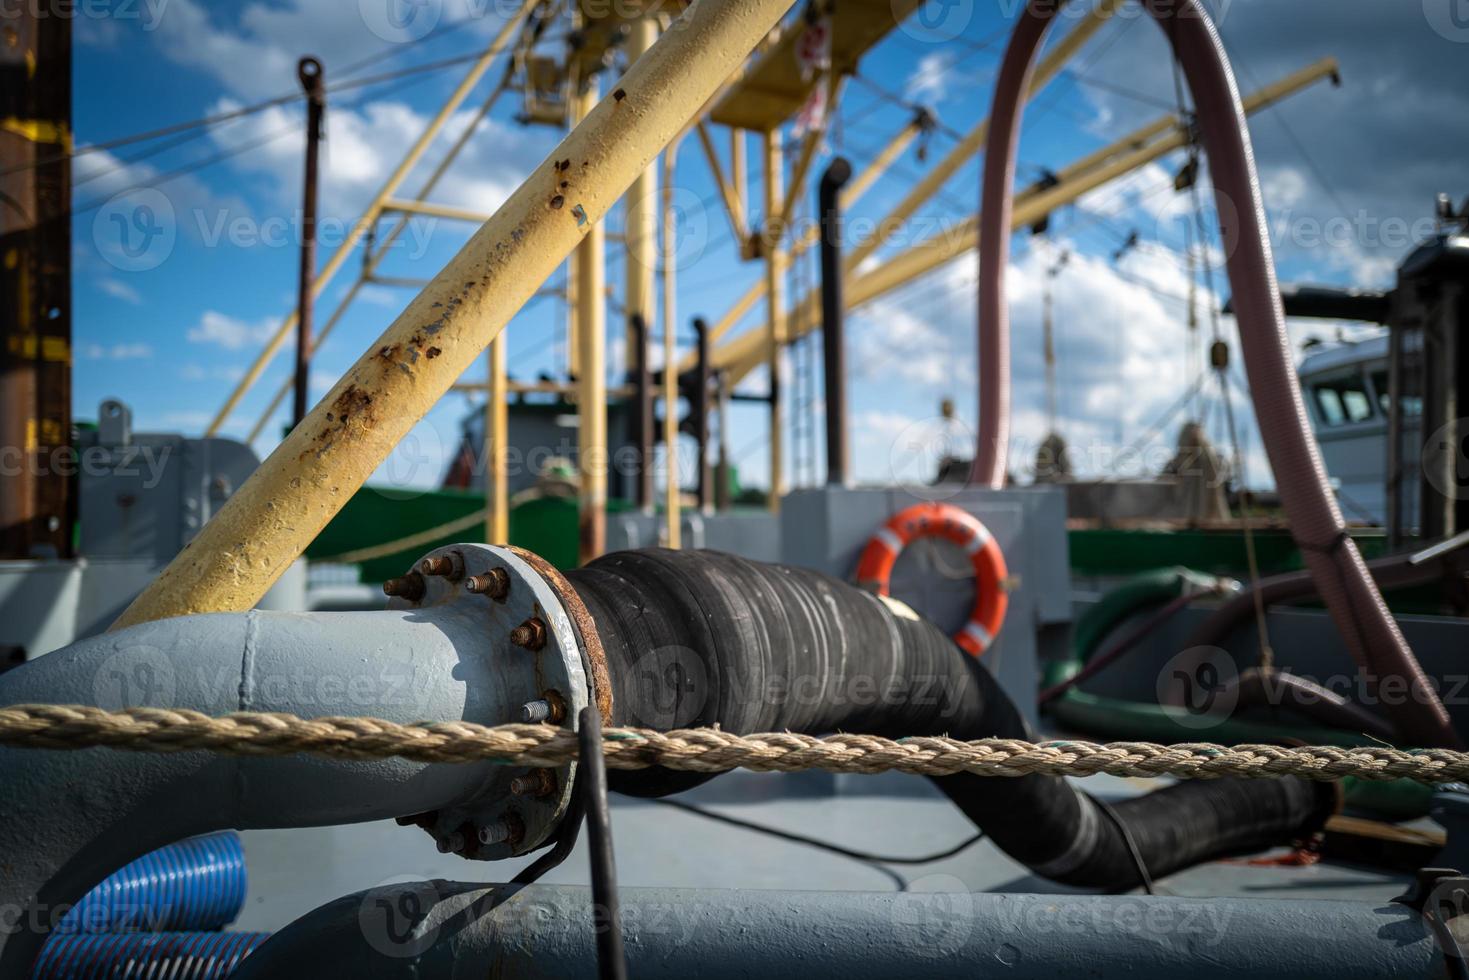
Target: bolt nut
[451, 843]
[509, 829]
[495, 583]
[550, 707]
[536, 783]
[449, 566]
[408, 587]
[530, 634]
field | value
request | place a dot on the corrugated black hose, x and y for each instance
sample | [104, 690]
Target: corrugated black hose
[698, 638]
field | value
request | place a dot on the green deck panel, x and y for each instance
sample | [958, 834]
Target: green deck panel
[547, 526]
[1128, 551]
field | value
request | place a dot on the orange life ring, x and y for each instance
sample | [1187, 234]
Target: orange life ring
[962, 528]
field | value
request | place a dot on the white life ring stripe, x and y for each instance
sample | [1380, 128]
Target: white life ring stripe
[890, 538]
[980, 540]
[978, 634]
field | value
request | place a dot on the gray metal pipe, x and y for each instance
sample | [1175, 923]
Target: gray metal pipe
[67, 819]
[440, 929]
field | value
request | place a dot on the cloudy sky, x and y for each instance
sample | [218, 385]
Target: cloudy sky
[185, 247]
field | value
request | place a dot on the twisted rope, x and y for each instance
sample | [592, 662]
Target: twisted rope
[49, 726]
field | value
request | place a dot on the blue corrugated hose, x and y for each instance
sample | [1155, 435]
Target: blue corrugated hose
[144, 955]
[177, 893]
[197, 883]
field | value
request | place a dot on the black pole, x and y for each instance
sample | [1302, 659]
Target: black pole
[700, 410]
[643, 411]
[309, 71]
[832, 333]
[721, 469]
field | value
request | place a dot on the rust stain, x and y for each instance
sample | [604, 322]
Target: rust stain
[432, 353]
[556, 202]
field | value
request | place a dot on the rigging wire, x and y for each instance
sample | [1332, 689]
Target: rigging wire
[240, 112]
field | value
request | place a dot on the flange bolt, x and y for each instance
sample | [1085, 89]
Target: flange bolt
[443, 565]
[495, 583]
[530, 634]
[408, 587]
[507, 830]
[537, 782]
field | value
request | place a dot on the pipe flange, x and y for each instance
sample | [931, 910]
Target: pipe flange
[533, 652]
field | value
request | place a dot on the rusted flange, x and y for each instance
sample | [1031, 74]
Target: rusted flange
[581, 619]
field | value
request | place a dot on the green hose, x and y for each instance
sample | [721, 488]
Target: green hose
[1138, 592]
[1114, 718]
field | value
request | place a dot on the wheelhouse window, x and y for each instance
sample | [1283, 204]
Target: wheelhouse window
[1342, 401]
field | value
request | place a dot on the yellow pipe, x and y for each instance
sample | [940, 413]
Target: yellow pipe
[850, 195]
[673, 519]
[372, 260]
[591, 404]
[497, 436]
[775, 311]
[435, 210]
[728, 191]
[369, 217]
[739, 177]
[277, 512]
[640, 217]
[860, 184]
[746, 352]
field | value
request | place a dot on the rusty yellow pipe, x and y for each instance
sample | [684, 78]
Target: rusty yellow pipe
[370, 216]
[276, 513]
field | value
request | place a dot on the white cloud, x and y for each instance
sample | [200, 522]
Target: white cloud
[119, 290]
[117, 352]
[930, 79]
[229, 332]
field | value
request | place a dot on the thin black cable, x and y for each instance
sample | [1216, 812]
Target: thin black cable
[246, 110]
[786, 835]
[606, 916]
[189, 168]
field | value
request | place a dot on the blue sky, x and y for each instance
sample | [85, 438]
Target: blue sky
[177, 281]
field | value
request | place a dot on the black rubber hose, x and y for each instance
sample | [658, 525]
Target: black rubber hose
[703, 638]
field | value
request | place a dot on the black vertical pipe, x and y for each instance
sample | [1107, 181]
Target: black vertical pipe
[643, 411]
[308, 70]
[832, 334]
[700, 410]
[721, 469]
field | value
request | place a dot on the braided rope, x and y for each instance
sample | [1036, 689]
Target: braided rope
[49, 726]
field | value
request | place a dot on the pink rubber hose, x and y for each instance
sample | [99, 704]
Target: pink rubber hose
[1356, 606]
